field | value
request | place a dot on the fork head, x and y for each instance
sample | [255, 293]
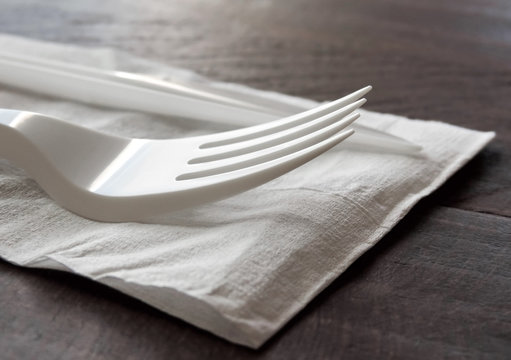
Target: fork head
[214, 166]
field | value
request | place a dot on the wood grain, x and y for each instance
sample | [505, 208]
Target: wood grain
[437, 286]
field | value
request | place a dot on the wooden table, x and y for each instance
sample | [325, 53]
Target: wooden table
[438, 286]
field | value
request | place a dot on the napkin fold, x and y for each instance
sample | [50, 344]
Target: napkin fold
[242, 267]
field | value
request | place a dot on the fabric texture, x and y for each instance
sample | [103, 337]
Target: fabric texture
[241, 267]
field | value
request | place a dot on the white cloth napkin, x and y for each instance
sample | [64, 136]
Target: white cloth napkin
[242, 267]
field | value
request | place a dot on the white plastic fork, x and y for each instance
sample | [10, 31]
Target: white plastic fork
[109, 178]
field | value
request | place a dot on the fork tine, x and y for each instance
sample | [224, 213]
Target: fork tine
[266, 141]
[252, 132]
[244, 179]
[238, 163]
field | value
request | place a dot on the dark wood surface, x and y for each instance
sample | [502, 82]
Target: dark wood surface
[437, 286]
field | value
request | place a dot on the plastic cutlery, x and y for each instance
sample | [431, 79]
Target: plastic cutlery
[190, 100]
[111, 178]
